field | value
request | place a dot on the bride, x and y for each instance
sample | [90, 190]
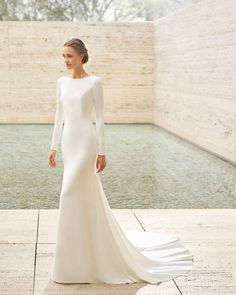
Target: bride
[90, 244]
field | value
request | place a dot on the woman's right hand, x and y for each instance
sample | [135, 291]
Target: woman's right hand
[52, 158]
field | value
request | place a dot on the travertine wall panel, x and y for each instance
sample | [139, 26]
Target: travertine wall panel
[195, 74]
[120, 53]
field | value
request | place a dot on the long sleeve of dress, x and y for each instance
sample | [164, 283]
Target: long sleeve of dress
[99, 111]
[59, 119]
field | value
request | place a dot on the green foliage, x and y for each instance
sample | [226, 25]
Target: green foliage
[88, 10]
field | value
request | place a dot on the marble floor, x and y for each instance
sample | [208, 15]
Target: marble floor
[27, 239]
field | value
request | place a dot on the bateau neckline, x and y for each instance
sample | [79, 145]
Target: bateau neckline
[80, 78]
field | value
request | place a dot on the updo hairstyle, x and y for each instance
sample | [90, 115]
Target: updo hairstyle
[79, 47]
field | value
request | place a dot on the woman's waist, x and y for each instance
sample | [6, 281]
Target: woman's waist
[82, 121]
[79, 124]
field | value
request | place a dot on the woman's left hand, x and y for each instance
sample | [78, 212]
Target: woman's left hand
[101, 163]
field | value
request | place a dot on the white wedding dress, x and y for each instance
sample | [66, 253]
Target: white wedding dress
[90, 244]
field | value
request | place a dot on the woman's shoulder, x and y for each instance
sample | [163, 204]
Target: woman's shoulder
[59, 79]
[96, 76]
[97, 79]
[62, 78]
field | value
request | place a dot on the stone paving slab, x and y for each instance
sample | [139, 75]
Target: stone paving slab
[16, 268]
[47, 225]
[213, 273]
[18, 226]
[205, 226]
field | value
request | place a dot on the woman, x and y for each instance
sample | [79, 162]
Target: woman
[90, 245]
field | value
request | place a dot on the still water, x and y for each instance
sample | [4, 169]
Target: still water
[147, 167]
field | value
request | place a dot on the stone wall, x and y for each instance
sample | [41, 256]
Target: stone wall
[31, 61]
[195, 74]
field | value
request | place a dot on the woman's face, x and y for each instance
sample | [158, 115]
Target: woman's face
[71, 58]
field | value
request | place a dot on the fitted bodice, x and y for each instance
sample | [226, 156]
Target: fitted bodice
[76, 99]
